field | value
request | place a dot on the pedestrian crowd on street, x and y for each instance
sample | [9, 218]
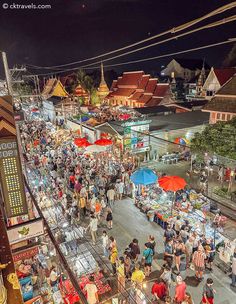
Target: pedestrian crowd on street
[88, 187]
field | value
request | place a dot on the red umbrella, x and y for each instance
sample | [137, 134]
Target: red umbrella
[81, 142]
[103, 142]
[172, 183]
[78, 141]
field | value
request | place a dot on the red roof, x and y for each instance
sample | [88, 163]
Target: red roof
[130, 79]
[144, 82]
[151, 85]
[145, 98]
[136, 95]
[223, 75]
[122, 92]
[161, 89]
[154, 101]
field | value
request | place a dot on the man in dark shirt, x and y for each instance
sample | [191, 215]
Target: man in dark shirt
[134, 249]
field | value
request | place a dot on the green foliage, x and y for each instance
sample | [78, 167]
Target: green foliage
[219, 138]
[86, 81]
[223, 192]
[94, 97]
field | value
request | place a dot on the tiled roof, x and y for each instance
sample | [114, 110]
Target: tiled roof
[154, 101]
[144, 98]
[130, 79]
[136, 95]
[221, 104]
[151, 85]
[161, 89]
[223, 75]
[229, 88]
[144, 82]
[122, 92]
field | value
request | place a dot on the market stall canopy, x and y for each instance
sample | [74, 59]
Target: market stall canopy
[82, 143]
[103, 142]
[172, 183]
[181, 141]
[95, 149]
[143, 176]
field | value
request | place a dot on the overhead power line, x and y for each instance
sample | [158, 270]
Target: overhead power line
[231, 40]
[173, 30]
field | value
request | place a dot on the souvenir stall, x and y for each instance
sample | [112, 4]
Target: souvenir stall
[162, 206]
[69, 294]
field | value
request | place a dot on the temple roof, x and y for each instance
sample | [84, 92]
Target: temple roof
[223, 75]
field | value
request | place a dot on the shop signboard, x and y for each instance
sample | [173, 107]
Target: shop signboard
[136, 137]
[25, 254]
[24, 232]
[11, 178]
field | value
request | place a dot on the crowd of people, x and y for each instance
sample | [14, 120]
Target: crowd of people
[87, 187]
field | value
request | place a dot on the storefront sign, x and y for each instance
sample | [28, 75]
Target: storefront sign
[26, 254]
[11, 178]
[25, 232]
[136, 137]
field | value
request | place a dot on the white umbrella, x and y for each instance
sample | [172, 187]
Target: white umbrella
[95, 149]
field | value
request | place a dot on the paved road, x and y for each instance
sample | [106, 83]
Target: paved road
[129, 222]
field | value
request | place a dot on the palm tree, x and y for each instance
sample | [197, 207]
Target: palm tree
[86, 82]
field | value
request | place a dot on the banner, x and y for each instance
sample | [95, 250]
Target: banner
[25, 254]
[25, 231]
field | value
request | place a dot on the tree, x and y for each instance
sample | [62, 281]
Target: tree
[94, 97]
[86, 81]
[219, 138]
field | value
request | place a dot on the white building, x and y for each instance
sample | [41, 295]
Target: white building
[184, 68]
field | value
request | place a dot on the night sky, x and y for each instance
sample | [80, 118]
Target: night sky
[74, 29]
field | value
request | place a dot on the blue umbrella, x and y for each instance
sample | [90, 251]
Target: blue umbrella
[143, 176]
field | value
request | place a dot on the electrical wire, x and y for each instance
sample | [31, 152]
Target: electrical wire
[170, 54]
[170, 31]
[208, 26]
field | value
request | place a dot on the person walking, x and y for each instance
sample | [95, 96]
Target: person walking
[147, 257]
[166, 277]
[208, 292]
[93, 226]
[199, 257]
[109, 218]
[179, 250]
[105, 244]
[128, 263]
[82, 203]
[159, 290]
[121, 275]
[180, 290]
[111, 197]
[138, 276]
[134, 250]
[113, 259]
[169, 253]
[91, 291]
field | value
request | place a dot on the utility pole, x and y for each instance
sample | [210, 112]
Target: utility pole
[9, 276]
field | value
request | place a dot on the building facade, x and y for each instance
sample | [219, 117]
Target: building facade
[215, 80]
[137, 89]
[222, 106]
